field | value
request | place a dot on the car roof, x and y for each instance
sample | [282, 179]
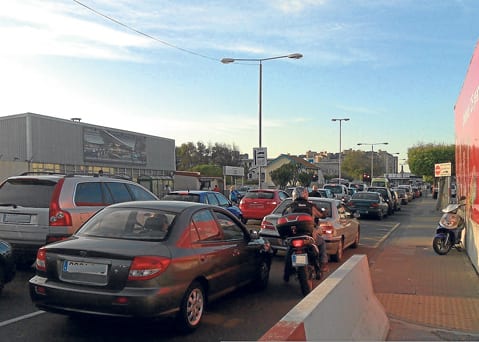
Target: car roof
[174, 206]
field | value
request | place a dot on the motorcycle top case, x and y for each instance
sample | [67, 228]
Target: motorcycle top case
[295, 224]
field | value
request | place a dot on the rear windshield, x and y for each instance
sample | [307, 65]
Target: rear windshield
[366, 196]
[33, 193]
[337, 189]
[259, 194]
[129, 223]
[182, 197]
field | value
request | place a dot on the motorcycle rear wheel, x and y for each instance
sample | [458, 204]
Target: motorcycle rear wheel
[441, 246]
[306, 275]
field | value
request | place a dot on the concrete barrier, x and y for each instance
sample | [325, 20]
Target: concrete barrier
[343, 307]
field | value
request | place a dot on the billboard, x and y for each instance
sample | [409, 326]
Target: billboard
[467, 136]
[102, 145]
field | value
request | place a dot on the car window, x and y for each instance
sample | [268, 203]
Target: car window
[283, 195]
[230, 229]
[139, 193]
[206, 227]
[129, 223]
[324, 205]
[35, 193]
[89, 194]
[119, 192]
[222, 200]
[211, 198]
[283, 205]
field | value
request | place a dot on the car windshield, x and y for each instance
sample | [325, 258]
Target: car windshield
[187, 197]
[129, 223]
[260, 194]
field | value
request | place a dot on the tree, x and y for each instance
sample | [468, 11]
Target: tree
[421, 159]
[208, 170]
[356, 163]
[283, 175]
[188, 155]
[305, 178]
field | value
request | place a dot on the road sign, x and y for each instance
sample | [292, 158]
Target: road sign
[233, 171]
[442, 170]
[259, 156]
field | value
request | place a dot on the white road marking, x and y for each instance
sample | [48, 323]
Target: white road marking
[21, 318]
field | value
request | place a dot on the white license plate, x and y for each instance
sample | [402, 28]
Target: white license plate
[299, 259]
[16, 218]
[84, 267]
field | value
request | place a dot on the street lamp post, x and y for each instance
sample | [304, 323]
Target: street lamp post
[372, 155]
[260, 97]
[387, 161]
[340, 150]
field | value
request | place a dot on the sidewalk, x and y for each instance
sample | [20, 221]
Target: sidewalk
[427, 297]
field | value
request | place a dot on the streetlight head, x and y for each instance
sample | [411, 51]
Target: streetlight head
[295, 55]
[346, 119]
[227, 60]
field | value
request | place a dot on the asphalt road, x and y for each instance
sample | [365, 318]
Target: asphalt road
[243, 315]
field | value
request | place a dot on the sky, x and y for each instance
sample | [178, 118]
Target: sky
[393, 67]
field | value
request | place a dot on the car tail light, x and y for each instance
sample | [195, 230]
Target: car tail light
[267, 225]
[297, 243]
[327, 229]
[374, 205]
[41, 262]
[147, 267]
[58, 217]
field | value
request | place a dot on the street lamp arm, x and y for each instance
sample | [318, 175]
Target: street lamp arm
[227, 60]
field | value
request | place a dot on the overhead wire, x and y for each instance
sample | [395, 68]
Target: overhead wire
[144, 34]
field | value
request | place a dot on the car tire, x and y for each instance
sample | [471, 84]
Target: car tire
[191, 308]
[339, 253]
[356, 240]
[2, 278]
[262, 278]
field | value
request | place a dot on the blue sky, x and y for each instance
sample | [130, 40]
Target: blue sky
[394, 67]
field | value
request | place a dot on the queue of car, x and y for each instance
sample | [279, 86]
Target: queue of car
[107, 246]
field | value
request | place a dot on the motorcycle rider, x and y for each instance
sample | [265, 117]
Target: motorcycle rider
[301, 204]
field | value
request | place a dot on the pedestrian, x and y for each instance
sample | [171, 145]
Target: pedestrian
[234, 195]
[216, 188]
[314, 192]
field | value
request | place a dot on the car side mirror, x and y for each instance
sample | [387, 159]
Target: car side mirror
[254, 234]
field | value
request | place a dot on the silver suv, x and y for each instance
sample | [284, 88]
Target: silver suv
[36, 209]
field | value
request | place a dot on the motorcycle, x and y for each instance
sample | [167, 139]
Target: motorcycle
[302, 252]
[449, 229]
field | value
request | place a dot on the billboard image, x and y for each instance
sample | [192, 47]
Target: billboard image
[107, 146]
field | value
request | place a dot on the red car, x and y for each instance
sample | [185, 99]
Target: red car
[258, 203]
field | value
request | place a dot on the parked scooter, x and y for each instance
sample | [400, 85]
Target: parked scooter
[302, 252]
[449, 229]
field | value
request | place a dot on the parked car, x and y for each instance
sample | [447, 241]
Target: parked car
[7, 264]
[409, 192]
[369, 203]
[402, 195]
[396, 200]
[36, 209]
[340, 191]
[205, 196]
[258, 203]
[341, 228]
[150, 259]
[386, 195]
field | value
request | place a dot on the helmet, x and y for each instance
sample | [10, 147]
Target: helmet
[300, 192]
